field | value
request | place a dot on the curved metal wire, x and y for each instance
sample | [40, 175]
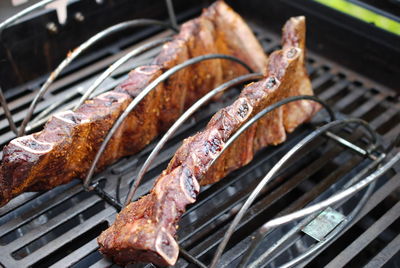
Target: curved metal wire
[270, 109]
[23, 13]
[78, 51]
[143, 94]
[329, 201]
[118, 63]
[4, 25]
[38, 120]
[49, 109]
[276, 168]
[260, 235]
[7, 112]
[150, 159]
[41, 118]
[288, 236]
[334, 233]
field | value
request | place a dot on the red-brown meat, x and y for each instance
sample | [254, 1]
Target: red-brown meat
[145, 229]
[66, 146]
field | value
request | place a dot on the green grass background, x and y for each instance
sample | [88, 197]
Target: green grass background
[363, 14]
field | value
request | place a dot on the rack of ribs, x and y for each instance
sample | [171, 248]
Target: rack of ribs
[65, 148]
[144, 230]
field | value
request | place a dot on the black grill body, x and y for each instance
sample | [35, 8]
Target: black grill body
[353, 67]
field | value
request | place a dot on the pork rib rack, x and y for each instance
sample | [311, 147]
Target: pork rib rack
[145, 229]
[66, 147]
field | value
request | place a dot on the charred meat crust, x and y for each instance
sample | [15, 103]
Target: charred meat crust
[66, 146]
[178, 185]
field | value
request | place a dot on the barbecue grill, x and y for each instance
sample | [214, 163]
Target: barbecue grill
[353, 67]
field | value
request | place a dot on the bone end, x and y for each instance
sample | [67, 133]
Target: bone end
[167, 247]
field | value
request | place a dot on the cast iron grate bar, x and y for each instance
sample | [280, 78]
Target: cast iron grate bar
[231, 258]
[386, 254]
[363, 240]
[378, 198]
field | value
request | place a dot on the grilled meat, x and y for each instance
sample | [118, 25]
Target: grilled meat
[66, 146]
[294, 35]
[145, 229]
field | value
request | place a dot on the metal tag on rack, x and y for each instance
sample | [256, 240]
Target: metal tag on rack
[323, 224]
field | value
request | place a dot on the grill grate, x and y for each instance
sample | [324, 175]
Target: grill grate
[59, 227]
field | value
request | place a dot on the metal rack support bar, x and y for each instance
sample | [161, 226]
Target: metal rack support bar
[78, 51]
[260, 235]
[115, 66]
[150, 159]
[277, 167]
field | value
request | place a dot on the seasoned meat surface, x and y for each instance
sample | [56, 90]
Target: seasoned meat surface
[144, 231]
[294, 35]
[66, 146]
